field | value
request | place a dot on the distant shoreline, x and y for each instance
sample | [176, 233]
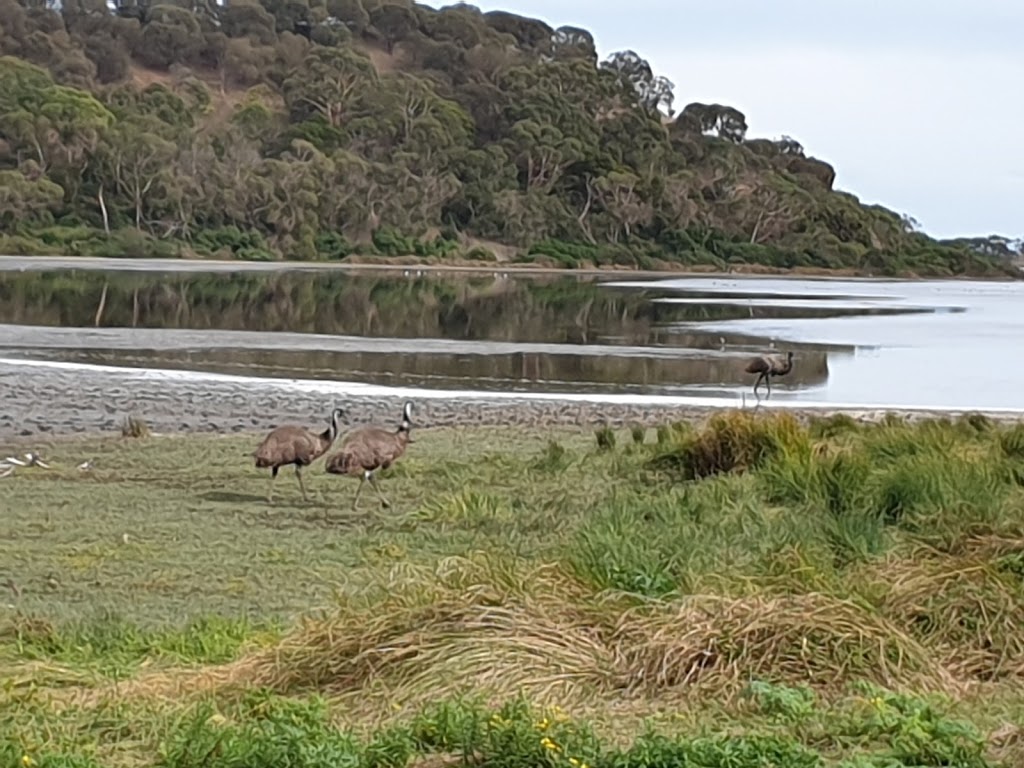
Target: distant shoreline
[13, 263]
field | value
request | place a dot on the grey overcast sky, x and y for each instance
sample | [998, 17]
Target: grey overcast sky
[918, 104]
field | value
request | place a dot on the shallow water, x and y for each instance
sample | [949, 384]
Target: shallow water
[856, 342]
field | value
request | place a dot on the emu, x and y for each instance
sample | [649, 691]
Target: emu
[296, 445]
[368, 449]
[767, 366]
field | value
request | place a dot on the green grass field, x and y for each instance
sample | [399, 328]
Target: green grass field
[746, 592]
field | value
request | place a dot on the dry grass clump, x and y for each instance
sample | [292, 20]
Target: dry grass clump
[134, 426]
[720, 644]
[968, 609]
[563, 650]
[468, 629]
[470, 625]
[737, 441]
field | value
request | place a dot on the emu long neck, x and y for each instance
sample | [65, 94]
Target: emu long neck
[331, 433]
[403, 432]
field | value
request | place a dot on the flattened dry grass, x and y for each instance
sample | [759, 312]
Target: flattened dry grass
[969, 608]
[470, 629]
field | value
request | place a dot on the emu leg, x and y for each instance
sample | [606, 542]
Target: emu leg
[359, 490]
[298, 475]
[376, 487]
[758, 384]
[768, 382]
[270, 492]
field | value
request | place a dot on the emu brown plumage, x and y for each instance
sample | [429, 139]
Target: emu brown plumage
[368, 449]
[767, 366]
[295, 445]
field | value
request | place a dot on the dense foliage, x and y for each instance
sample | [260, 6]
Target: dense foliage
[324, 128]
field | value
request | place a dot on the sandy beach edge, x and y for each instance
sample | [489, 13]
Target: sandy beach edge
[43, 402]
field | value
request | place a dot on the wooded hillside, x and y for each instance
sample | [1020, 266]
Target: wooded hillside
[287, 129]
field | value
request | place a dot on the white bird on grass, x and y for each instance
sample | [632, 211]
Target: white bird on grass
[32, 459]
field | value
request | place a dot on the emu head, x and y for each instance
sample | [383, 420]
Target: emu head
[406, 425]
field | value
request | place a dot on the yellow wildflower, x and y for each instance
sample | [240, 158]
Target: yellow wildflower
[549, 744]
[27, 761]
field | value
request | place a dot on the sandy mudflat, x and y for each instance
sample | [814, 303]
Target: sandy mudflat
[43, 400]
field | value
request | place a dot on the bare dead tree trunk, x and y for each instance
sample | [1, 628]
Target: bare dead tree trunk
[582, 218]
[103, 210]
[102, 305]
[757, 226]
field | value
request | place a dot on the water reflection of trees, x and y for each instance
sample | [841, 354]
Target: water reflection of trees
[525, 370]
[554, 309]
[550, 309]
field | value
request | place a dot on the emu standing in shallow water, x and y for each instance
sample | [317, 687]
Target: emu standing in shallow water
[767, 366]
[368, 449]
[295, 445]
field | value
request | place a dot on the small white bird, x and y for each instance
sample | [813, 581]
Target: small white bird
[32, 459]
[85, 466]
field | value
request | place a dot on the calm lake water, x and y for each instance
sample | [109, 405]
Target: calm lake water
[856, 342]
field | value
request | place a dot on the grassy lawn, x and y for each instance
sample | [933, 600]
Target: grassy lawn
[746, 592]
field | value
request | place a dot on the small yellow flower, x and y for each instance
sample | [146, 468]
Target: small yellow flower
[574, 762]
[27, 761]
[549, 744]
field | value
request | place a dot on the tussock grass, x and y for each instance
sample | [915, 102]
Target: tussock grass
[605, 437]
[468, 629]
[134, 426]
[732, 441]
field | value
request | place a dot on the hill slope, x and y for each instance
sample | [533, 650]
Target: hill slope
[320, 130]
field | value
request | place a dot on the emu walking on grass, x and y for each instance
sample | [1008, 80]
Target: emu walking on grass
[368, 449]
[767, 366]
[290, 444]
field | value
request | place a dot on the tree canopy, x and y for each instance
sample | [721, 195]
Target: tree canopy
[323, 128]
